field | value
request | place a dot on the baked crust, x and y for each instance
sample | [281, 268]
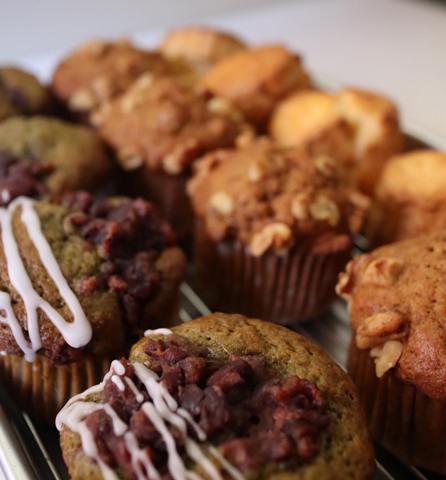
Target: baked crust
[346, 452]
[201, 46]
[255, 79]
[396, 296]
[410, 197]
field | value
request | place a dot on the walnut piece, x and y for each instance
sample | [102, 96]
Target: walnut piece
[325, 209]
[378, 328]
[82, 100]
[299, 206]
[383, 271]
[344, 286]
[222, 203]
[326, 165]
[386, 356]
[277, 235]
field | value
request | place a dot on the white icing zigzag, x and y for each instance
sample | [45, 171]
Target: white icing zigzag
[162, 410]
[76, 333]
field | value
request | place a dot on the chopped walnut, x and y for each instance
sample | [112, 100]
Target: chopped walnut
[383, 271]
[326, 165]
[378, 328]
[325, 209]
[222, 203]
[277, 235]
[255, 172]
[299, 206]
[386, 356]
[82, 100]
[102, 87]
[345, 282]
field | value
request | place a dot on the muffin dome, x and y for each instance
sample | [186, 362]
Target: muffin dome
[270, 197]
[166, 125]
[309, 425]
[21, 93]
[410, 197]
[200, 46]
[99, 70]
[359, 128]
[255, 79]
[41, 155]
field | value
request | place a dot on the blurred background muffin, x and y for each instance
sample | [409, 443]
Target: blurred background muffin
[80, 281]
[256, 78]
[21, 93]
[157, 129]
[266, 402]
[42, 156]
[277, 225]
[99, 70]
[397, 300]
[410, 198]
[358, 128]
[202, 47]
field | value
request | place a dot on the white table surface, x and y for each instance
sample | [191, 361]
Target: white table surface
[394, 46]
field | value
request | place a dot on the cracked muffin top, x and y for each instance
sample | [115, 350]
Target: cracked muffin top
[166, 125]
[255, 79]
[203, 47]
[270, 197]
[100, 70]
[397, 301]
[82, 275]
[224, 397]
[21, 93]
[42, 156]
[410, 197]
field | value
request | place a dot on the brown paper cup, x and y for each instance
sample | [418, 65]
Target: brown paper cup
[404, 420]
[42, 388]
[284, 289]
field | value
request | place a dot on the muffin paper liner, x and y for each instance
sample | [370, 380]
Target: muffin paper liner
[168, 192]
[42, 388]
[403, 419]
[284, 289]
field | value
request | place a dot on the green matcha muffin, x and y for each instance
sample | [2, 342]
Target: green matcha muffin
[220, 397]
[21, 93]
[42, 156]
[79, 281]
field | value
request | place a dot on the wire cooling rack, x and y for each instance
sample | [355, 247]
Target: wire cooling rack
[30, 451]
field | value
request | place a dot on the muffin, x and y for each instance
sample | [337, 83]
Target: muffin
[202, 47]
[80, 280]
[158, 128]
[232, 398]
[396, 298]
[255, 79]
[410, 197]
[277, 225]
[99, 70]
[21, 93]
[359, 128]
[41, 156]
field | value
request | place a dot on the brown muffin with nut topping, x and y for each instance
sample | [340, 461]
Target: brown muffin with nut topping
[99, 70]
[203, 47]
[396, 299]
[158, 128]
[277, 226]
[357, 127]
[410, 197]
[255, 79]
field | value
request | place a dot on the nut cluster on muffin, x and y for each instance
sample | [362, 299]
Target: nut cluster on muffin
[269, 216]
[220, 397]
[357, 127]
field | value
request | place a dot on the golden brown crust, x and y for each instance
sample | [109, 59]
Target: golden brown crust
[271, 197]
[346, 452]
[256, 79]
[99, 70]
[166, 125]
[410, 197]
[396, 296]
[200, 46]
[359, 128]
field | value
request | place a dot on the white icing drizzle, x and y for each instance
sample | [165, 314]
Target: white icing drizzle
[162, 410]
[118, 382]
[158, 331]
[76, 333]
